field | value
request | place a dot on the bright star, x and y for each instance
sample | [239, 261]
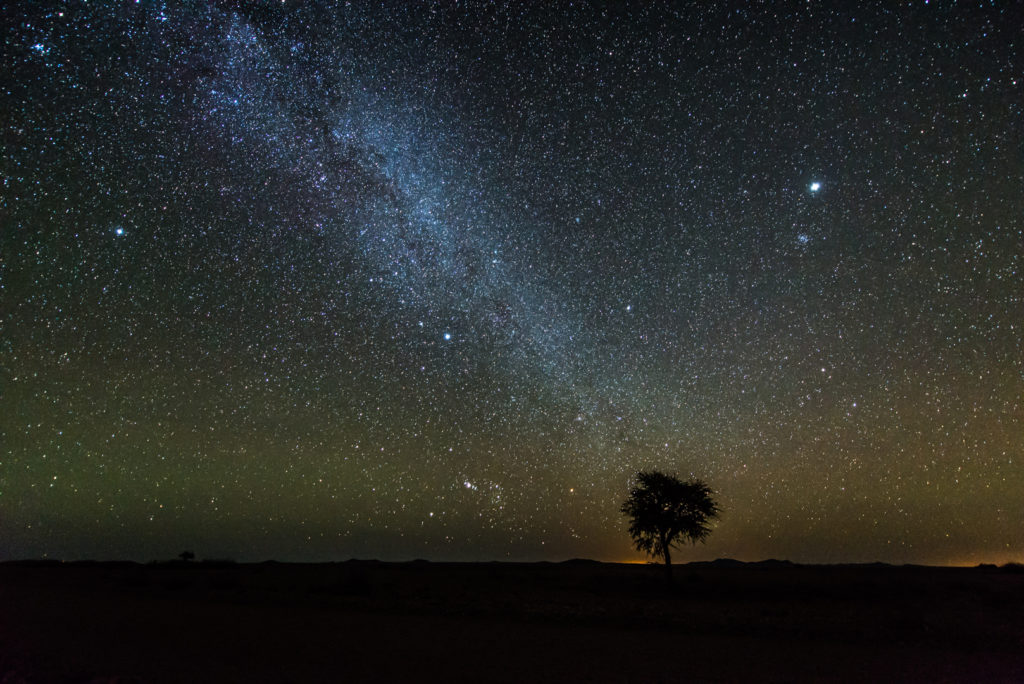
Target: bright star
[815, 186]
[119, 230]
[447, 336]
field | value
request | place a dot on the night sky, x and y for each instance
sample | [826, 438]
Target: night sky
[434, 281]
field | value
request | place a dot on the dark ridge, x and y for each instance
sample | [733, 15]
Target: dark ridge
[34, 563]
[775, 563]
[719, 563]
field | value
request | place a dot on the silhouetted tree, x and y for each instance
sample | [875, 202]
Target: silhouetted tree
[186, 556]
[664, 512]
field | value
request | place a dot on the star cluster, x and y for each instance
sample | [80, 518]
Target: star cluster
[401, 280]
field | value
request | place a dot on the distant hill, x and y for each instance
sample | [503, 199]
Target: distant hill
[733, 563]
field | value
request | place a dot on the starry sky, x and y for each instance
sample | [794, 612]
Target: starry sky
[434, 280]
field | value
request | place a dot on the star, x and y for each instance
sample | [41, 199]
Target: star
[815, 186]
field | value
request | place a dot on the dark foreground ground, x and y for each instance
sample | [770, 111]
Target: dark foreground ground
[578, 621]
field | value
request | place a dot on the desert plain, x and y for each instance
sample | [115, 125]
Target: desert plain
[369, 621]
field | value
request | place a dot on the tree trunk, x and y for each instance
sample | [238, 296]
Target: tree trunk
[668, 563]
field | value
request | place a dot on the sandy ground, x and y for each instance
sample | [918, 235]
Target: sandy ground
[576, 621]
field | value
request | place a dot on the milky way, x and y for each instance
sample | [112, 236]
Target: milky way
[435, 281]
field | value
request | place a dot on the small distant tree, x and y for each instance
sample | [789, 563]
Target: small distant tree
[186, 556]
[665, 511]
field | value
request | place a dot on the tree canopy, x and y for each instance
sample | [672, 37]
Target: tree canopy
[665, 511]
